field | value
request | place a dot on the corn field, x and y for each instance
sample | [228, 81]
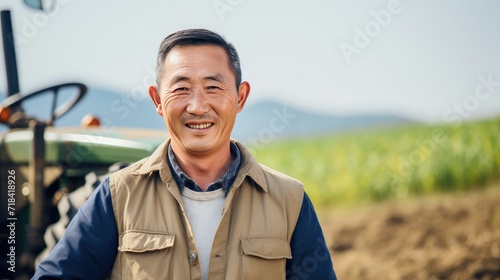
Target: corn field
[397, 162]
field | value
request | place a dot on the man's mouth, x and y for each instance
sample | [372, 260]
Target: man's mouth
[199, 126]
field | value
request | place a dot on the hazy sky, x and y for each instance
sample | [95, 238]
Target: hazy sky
[430, 60]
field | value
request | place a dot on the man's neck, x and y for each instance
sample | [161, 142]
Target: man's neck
[204, 169]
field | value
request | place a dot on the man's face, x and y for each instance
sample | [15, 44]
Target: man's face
[198, 99]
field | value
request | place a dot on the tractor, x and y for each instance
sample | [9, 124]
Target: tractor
[47, 172]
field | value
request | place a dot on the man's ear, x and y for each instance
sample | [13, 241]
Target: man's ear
[153, 93]
[243, 93]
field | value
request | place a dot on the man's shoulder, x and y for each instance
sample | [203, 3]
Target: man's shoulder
[146, 165]
[277, 175]
[127, 172]
[133, 167]
[268, 178]
[277, 179]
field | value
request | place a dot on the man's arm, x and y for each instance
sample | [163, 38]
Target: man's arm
[89, 246]
[310, 256]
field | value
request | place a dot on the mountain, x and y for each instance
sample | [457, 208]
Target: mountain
[263, 122]
[276, 120]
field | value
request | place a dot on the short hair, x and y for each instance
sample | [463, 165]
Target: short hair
[197, 37]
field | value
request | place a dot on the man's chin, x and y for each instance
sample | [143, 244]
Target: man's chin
[199, 146]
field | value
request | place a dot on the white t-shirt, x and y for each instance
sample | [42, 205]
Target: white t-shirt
[204, 211]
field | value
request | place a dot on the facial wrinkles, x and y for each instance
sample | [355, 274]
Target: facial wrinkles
[214, 114]
[197, 75]
[201, 86]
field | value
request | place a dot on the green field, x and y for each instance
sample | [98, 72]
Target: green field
[398, 162]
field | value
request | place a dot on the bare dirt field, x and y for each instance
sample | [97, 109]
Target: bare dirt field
[439, 237]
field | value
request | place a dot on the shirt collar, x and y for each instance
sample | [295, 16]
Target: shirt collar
[183, 180]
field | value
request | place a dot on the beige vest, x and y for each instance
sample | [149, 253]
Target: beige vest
[156, 240]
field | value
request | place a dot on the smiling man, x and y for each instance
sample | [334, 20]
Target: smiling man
[200, 207]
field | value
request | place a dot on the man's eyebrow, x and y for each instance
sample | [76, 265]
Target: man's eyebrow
[177, 79]
[217, 77]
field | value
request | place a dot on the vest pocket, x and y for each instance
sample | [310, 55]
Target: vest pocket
[264, 258]
[138, 242]
[144, 255]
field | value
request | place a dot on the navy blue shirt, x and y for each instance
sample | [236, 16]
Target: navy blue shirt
[89, 247]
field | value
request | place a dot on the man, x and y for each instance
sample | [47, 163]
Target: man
[200, 207]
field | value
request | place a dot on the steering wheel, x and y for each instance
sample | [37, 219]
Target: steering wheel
[15, 100]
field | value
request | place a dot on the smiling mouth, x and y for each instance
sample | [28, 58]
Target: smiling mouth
[200, 126]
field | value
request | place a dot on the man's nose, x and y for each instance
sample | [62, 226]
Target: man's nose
[198, 103]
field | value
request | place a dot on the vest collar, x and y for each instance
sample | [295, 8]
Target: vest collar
[250, 167]
[157, 162]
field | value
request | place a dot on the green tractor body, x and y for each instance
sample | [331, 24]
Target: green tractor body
[70, 154]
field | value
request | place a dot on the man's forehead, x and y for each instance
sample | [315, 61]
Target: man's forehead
[182, 51]
[208, 61]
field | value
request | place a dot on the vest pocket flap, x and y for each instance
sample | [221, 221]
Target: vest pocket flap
[267, 248]
[139, 242]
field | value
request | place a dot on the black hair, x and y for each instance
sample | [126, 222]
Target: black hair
[196, 37]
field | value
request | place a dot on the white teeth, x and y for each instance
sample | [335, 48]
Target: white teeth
[200, 126]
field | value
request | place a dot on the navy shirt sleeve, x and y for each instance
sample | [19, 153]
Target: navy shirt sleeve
[310, 256]
[89, 246]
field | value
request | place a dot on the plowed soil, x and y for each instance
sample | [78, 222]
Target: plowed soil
[439, 237]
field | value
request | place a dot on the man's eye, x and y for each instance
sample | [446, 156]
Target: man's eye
[213, 87]
[182, 89]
